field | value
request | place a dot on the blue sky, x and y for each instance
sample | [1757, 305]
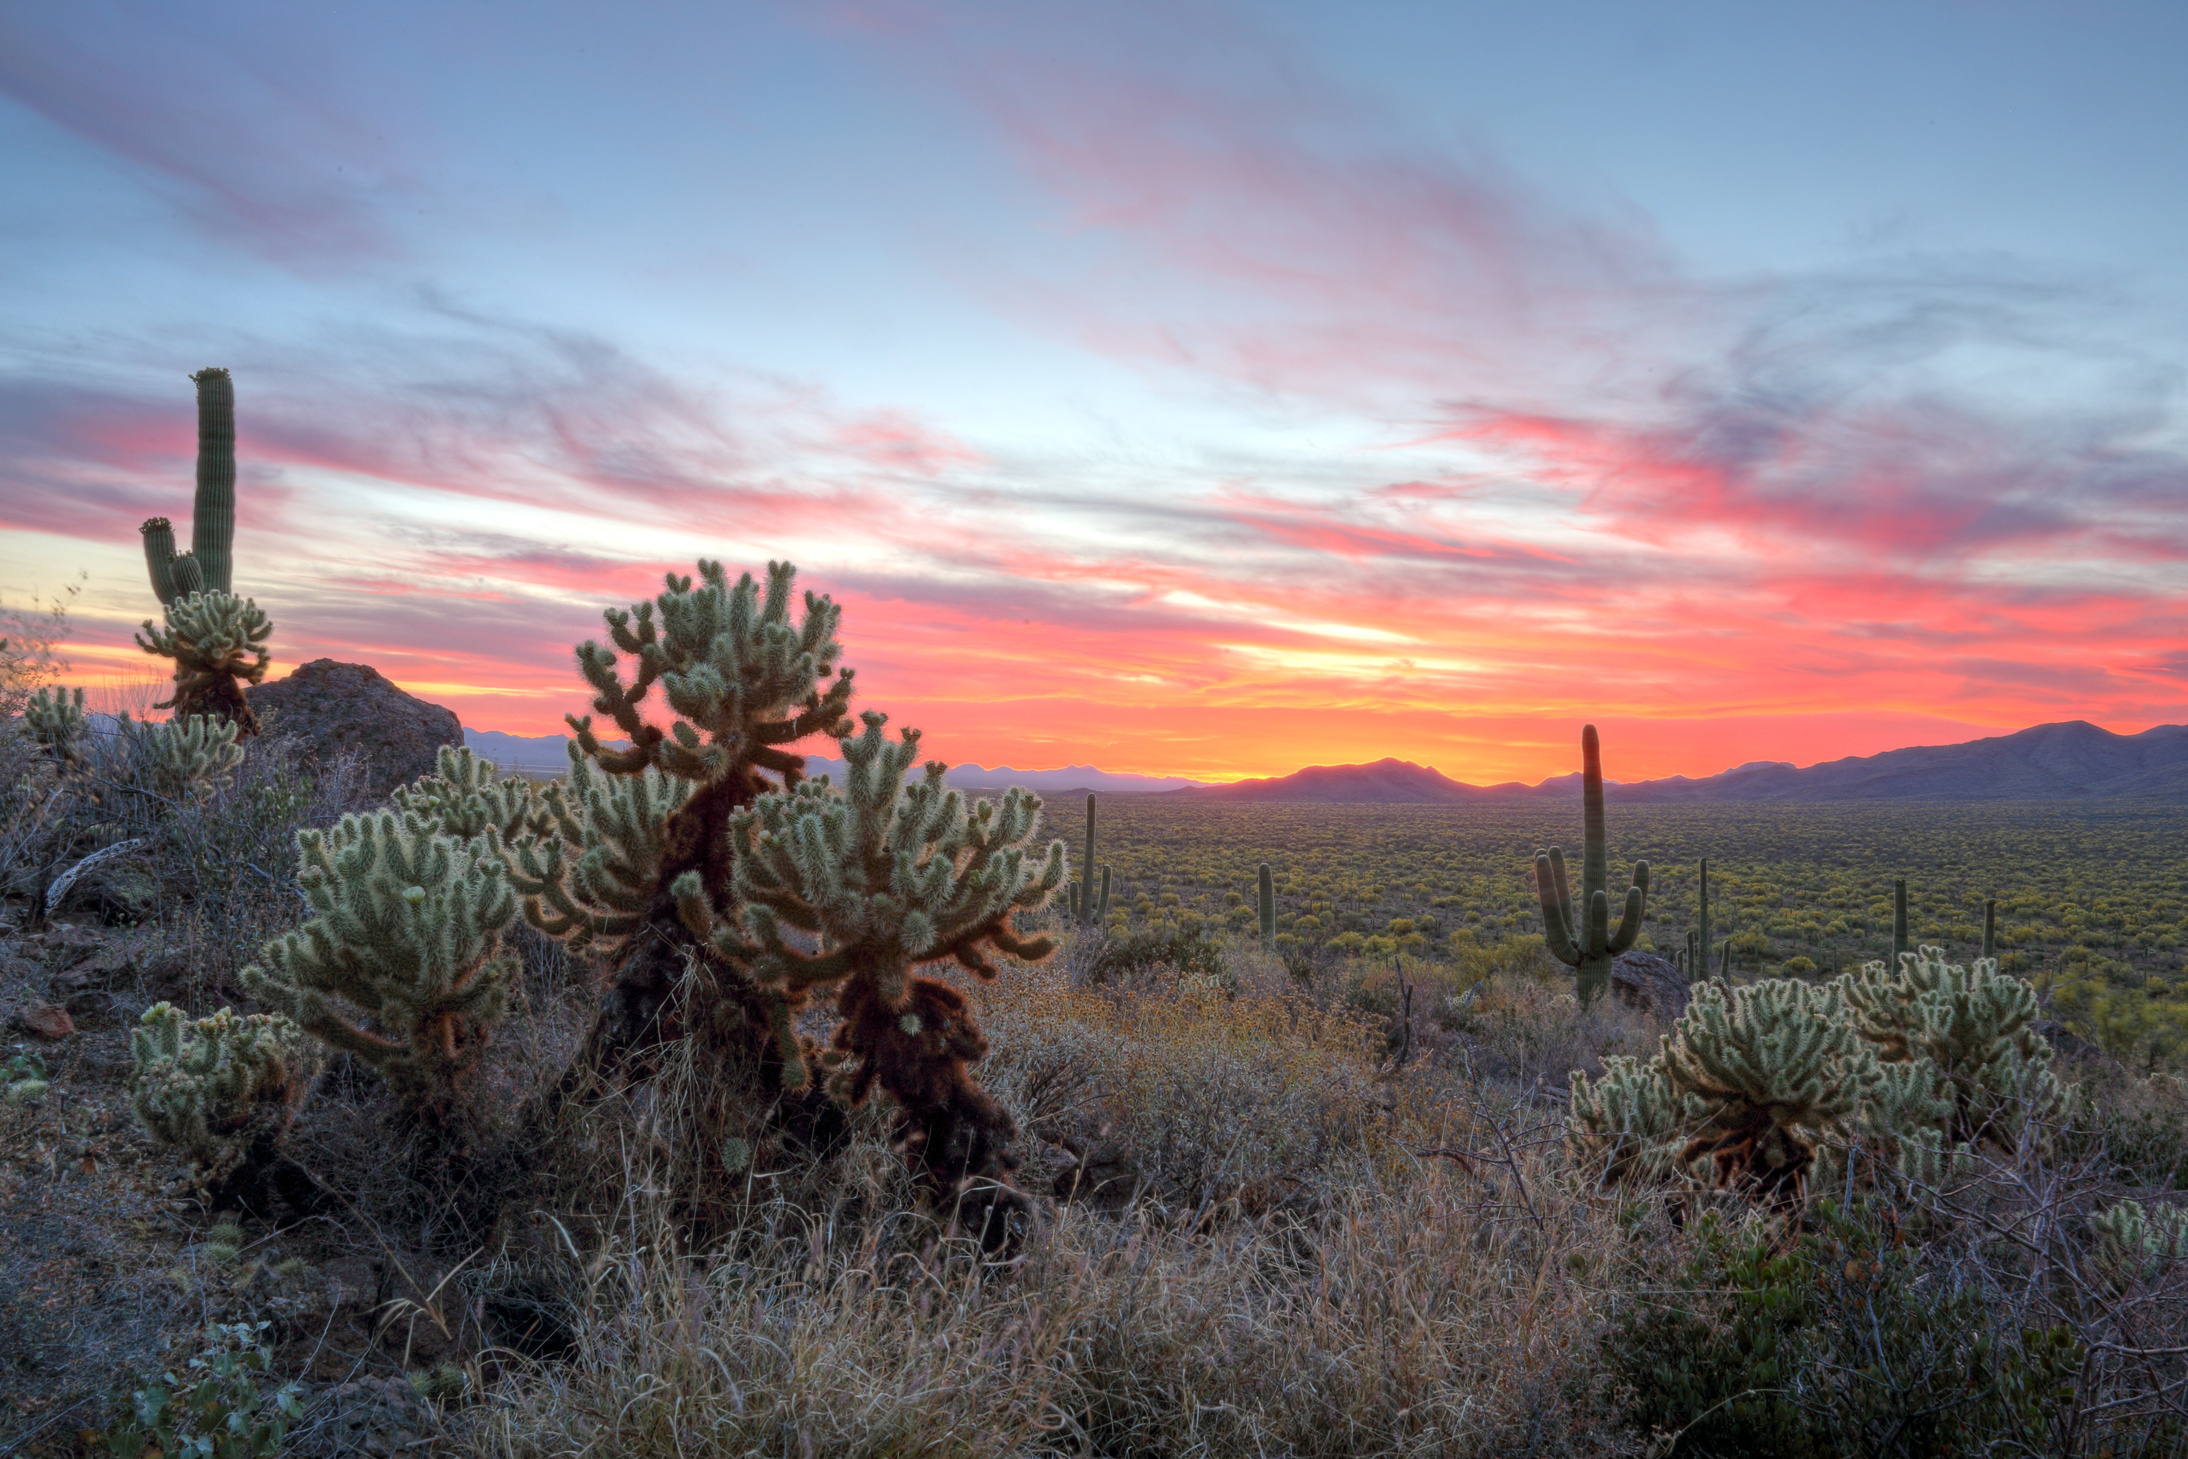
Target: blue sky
[1203, 389]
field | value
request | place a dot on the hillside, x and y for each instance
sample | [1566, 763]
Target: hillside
[2069, 761]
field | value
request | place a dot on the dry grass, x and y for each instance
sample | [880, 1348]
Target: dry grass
[1305, 1272]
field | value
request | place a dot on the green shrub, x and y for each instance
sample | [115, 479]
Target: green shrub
[1847, 1342]
[215, 1413]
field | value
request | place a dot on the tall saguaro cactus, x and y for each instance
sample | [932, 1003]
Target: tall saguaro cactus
[1990, 927]
[1267, 905]
[1899, 919]
[209, 564]
[1086, 905]
[218, 641]
[1694, 974]
[1581, 936]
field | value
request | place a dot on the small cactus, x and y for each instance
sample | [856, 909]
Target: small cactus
[220, 1090]
[56, 721]
[1266, 906]
[408, 938]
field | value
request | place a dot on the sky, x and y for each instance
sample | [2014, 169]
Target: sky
[1183, 389]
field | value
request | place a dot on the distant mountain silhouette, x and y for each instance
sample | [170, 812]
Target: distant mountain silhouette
[550, 753]
[2069, 761]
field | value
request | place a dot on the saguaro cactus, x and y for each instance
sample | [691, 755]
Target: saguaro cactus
[1086, 906]
[216, 639]
[1267, 905]
[1899, 919]
[209, 564]
[1580, 936]
[1990, 928]
[1692, 973]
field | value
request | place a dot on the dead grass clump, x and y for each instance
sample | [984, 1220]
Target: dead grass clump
[1428, 1311]
[1210, 1096]
[1528, 1030]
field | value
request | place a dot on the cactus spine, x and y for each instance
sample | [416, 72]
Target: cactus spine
[1580, 936]
[1267, 905]
[1899, 919]
[1088, 908]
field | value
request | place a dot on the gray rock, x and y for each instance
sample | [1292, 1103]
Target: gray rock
[1645, 981]
[343, 708]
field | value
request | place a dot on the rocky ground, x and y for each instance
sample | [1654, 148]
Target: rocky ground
[112, 1271]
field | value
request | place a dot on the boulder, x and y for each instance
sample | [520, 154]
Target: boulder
[343, 708]
[1650, 983]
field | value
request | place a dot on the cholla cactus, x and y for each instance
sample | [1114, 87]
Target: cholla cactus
[1628, 1120]
[218, 643]
[740, 680]
[888, 877]
[1766, 1076]
[56, 721]
[2135, 1244]
[220, 1090]
[1977, 1025]
[180, 758]
[408, 938]
[468, 797]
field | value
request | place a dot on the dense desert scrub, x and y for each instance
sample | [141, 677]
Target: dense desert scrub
[1415, 1304]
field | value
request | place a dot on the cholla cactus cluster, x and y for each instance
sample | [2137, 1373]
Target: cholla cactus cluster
[1976, 1026]
[403, 965]
[882, 878]
[220, 1090]
[727, 890]
[57, 722]
[1756, 1085]
[2136, 1244]
[218, 643]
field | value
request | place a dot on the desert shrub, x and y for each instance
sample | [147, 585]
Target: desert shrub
[1138, 955]
[1527, 1028]
[1850, 1341]
[2137, 1126]
[213, 1408]
[1211, 1095]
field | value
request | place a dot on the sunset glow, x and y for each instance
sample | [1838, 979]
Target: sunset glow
[1180, 390]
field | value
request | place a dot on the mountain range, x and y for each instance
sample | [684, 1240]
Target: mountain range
[547, 752]
[2068, 761]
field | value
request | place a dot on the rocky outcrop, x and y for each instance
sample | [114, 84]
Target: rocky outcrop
[352, 708]
[1645, 981]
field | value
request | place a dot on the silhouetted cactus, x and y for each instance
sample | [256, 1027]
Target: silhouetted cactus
[1266, 906]
[1703, 934]
[1088, 908]
[1580, 935]
[216, 639]
[1899, 919]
